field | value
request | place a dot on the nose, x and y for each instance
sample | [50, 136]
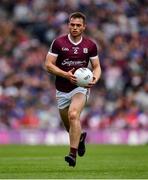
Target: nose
[75, 26]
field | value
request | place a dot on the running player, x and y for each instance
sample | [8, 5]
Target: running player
[68, 53]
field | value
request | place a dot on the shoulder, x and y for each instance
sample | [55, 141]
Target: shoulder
[60, 39]
[91, 43]
[90, 40]
[58, 42]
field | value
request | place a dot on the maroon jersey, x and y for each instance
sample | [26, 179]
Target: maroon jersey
[71, 55]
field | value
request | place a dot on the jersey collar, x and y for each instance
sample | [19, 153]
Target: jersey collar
[73, 41]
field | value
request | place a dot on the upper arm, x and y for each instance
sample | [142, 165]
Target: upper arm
[50, 59]
[94, 58]
[95, 62]
[52, 53]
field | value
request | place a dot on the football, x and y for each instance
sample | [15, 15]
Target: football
[84, 76]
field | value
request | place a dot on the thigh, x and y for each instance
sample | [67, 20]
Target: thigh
[64, 114]
[78, 102]
[63, 99]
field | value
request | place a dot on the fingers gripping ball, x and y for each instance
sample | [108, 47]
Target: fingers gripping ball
[84, 76]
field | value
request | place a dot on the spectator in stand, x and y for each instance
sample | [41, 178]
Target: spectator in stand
[120, 29]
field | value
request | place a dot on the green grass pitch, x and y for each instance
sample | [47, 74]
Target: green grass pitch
[99, 162]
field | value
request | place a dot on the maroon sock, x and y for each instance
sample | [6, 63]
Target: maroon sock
[73, 152]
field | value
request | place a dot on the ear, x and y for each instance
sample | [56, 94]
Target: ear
[84, 27]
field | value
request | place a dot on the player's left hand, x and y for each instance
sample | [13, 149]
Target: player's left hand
[91, 84]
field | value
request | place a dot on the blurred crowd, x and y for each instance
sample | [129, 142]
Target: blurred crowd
[27, 92]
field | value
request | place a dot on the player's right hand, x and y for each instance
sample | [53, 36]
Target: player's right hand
[71, 77]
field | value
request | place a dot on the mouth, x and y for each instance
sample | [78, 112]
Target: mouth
[75, 31]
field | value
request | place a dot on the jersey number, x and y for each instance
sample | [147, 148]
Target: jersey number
[75, 51]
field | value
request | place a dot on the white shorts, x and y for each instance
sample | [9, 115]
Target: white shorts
[64, 99]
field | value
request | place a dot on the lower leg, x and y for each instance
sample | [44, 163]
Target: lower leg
[64, 117]
[75, 109]
[74, 133]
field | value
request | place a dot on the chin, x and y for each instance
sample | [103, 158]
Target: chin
[75, 34]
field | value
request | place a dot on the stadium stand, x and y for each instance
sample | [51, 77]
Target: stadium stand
[27, 94]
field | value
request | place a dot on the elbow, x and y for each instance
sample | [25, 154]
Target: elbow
[47, 67]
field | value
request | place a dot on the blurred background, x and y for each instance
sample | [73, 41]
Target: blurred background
[117, 111]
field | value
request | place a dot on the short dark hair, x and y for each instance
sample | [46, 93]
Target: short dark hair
[78, 15]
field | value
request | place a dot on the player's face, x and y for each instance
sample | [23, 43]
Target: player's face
[76, 26]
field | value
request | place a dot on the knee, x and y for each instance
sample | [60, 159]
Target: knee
[73, 115]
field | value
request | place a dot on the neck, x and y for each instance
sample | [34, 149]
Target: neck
[75, 38]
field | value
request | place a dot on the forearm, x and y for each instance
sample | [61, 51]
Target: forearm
[97, 73]
[53, 69]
